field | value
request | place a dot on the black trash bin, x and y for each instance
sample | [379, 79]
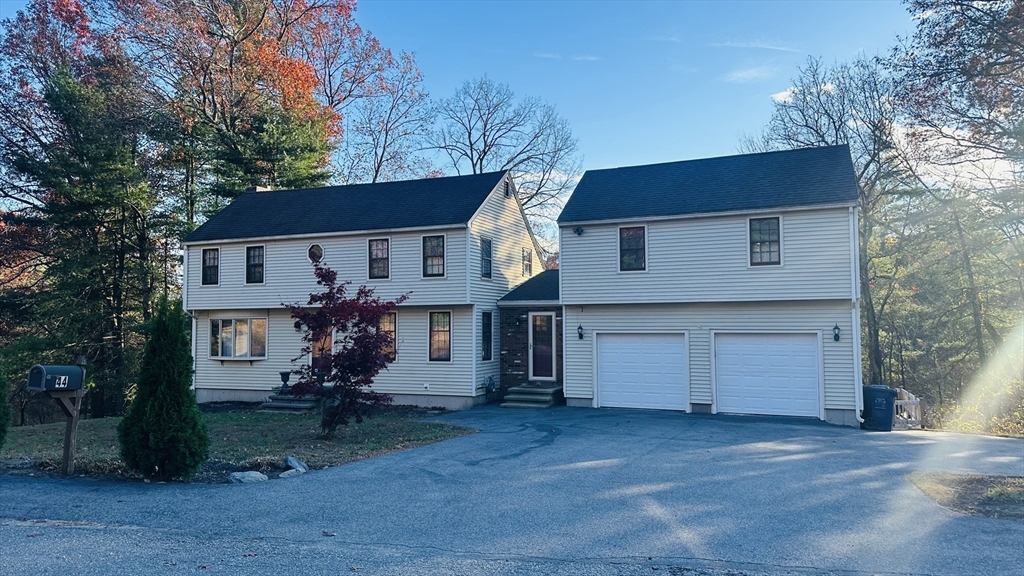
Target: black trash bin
[879, 402]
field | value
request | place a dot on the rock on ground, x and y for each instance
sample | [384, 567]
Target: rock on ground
[247, 477]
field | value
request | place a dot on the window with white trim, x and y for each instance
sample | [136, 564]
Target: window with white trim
[486, 335]
[211, 266]
[380, 259]
[315, 253]
[440, 336]
[632, 248]
[244, 338]
[389, 325]
[527, 262]
[765, 242]
[433, 256]
[254, 264]
[485, 258]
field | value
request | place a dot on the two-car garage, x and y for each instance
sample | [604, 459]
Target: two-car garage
[751, 373]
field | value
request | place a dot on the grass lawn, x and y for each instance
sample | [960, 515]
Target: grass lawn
[992, 496]
[241, 440]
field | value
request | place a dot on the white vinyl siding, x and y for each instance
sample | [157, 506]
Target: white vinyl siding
[407, 375]
[289, 275]
[698, 321]
[708, 260]
[500, 220]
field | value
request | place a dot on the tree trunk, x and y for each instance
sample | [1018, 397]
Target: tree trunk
[972, 290]
[874, 346]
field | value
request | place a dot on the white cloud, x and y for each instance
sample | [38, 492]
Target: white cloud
[786, 96]
[673, 39]
[586, 58]
[548, 55]
[828, 88]
[756, 45]
[747, 75]
[923, 15]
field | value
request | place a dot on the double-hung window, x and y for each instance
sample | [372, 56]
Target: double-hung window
[527, 262]
[211, 266]
[440, 336]
[632, 248]
[765, 242]
[244, 338]
[485, 258]
[433, 256]
[389, 325]
[380, 259]
[254, 265]
[487, 338]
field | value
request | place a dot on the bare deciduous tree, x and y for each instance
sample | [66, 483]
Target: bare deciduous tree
[483, 127]
[386, 131]
[852, 104]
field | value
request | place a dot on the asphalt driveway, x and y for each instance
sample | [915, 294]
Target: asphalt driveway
[559, 491]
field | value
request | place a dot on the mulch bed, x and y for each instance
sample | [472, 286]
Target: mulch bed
[990, 496]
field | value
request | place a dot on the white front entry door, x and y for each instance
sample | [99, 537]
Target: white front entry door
[642, 371]
[774, 374]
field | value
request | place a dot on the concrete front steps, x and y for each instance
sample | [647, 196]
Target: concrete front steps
[533, 395]
[288, 404]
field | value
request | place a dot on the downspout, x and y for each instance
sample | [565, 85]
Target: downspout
[472, 311]
[858, 359]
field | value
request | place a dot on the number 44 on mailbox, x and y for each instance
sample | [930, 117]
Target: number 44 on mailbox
[65, 385]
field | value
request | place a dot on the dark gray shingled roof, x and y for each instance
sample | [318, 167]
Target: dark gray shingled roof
[542, 288]
[767, 180]
[388, 205]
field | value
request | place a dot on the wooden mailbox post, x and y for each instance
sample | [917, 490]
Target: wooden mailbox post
[65, 384]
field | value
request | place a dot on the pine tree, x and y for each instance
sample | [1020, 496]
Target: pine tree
[5, 408]
[163, 436]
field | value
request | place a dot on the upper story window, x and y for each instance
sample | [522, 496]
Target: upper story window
[244, 338]
[254, 265]
[315, 253]
[211, 266]
[380, 258]
[485, 258]
[389, 325]
[433, 256]
[765, 242]
[440, 336]
[527, 262]
[632, 248]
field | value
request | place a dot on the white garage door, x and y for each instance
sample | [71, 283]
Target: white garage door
[642, 371]
[774, 374]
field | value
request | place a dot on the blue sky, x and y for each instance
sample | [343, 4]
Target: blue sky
[640, 82]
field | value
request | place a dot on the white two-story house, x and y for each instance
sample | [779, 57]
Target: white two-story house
[723, 285]
[455, 245]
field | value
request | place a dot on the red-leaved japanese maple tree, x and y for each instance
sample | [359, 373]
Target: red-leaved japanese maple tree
[360, 349]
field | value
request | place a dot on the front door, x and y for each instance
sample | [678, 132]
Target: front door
[542, 346]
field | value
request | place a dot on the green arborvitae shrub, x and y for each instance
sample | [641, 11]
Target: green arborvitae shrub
[5, 408]
[163, 436]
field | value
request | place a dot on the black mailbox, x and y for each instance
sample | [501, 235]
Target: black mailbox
[54, 378]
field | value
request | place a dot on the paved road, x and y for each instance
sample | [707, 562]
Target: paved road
[561, 491]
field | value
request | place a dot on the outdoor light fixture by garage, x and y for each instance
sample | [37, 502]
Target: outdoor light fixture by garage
[579, 331]
[835, 332]
[577, 231]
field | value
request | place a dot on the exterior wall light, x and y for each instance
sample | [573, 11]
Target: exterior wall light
[577, 231]
[835, 332]
[579, 331]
